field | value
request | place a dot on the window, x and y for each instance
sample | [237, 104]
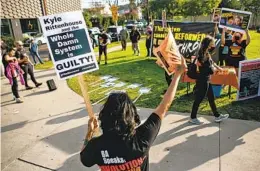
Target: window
[5, 27]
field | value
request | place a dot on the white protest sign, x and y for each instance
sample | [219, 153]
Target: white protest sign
[101, 79]
[69, 44]
[133, 86]
[142, 91]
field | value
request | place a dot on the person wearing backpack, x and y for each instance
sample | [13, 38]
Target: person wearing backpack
[12, 72]
[206, 67]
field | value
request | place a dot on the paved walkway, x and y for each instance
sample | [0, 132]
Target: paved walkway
[46, 133]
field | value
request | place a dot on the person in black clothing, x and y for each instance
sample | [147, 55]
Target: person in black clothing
[206, 67]
[135, 36]
[103, 42]
[236, 48]
[123, 145]
[148, 42]
[25, 64]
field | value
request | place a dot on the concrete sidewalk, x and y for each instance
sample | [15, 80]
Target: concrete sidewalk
[46, 132]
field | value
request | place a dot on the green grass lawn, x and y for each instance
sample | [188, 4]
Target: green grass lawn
[253, 49]
[140, 69]
[46, 65]
[113, 44]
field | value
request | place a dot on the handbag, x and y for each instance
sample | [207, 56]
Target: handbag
[192, 70]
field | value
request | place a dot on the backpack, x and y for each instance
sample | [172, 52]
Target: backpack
[192, 70]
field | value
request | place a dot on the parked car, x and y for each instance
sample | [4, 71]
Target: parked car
[258, 30]
[129, 27]
[114, 32]
[39, 38]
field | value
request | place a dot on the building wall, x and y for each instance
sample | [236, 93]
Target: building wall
[59, 6]
[12, 9]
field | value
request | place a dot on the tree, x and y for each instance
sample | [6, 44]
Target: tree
[195, 8]
[172, 7]
[87, 18]
[254, 7]
[233, 4]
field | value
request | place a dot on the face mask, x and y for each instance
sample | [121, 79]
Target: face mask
[237, 37]
[211, 49]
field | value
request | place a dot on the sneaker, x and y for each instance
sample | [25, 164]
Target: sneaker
[28, 88]
[221, 117]
[38, 84]
[195, 121]
[138, 54]
[19, 100]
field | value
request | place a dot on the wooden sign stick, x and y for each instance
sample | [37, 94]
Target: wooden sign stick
[84, 91]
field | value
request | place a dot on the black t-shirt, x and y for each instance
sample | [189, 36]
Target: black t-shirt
[205, 69]
[135, 36]
[19, 54]
[236, 50]
[103, 38]
[111, 152]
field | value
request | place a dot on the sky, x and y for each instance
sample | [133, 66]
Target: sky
[87, 3]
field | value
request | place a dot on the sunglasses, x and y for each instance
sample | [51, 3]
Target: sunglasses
[20, 45]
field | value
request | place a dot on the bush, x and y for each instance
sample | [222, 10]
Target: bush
[8, 40]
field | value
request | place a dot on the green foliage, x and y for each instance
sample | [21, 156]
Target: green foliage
[197, 8]
[87, 18]
[8, 40]
[233, 4]
[183, 7]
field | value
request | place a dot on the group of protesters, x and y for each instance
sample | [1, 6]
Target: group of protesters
[124, 136]
[17, 65]
[104, 39]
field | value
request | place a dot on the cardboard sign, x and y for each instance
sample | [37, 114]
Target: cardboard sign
[249, 79]
[168, 53]
[187, 35]
[69, 44]
[235, 20]
[216, 15]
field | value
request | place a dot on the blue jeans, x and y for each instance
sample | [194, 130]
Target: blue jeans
[36, 55]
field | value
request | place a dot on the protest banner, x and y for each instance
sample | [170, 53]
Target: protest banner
[69, 46]
[234, 20]
[216, 15]
[249, 79]
[168, 54]
[187, 35]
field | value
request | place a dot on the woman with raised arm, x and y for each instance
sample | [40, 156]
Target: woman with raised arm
[124, 144]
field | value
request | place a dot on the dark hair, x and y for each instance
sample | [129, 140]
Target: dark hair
[203, 47]
[9, 49]
[119, 115]
[230, 17]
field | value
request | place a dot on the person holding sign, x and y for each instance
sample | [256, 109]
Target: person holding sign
[103, 42]
[236, 47]
[123, 145]
[206, 67]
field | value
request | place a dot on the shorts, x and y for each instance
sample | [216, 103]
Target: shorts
[233, 61]
[102, 49]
